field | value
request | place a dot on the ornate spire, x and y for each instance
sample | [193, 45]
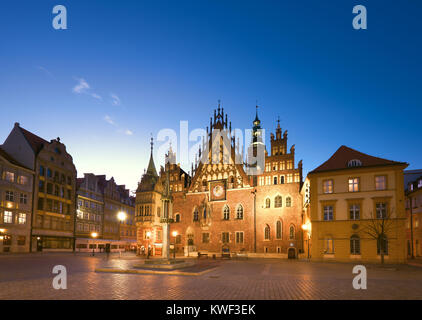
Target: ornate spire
[151, 166]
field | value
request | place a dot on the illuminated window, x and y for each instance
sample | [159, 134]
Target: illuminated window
[8, 217]
[353, 184]
[9, 176]
[328, 186]
[22, 218]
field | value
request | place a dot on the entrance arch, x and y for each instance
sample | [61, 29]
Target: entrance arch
[291, 253]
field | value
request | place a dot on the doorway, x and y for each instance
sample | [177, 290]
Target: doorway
[291, 253]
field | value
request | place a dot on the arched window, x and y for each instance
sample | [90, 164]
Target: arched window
[226, 212]
[292, 232]
[278, 202]
[239, 212]
[177, 218]
[354, 244]
[279, 230]
[281, 179]
[267, 203]
[288, 202]
[195, 215]
[382, 245]
[267, 232]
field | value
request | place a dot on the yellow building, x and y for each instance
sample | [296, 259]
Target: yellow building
[356, 209]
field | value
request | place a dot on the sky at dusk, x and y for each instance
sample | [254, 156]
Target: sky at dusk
[126, 69]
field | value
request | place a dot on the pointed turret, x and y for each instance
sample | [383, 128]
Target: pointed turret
[151, 166]
[150, 177]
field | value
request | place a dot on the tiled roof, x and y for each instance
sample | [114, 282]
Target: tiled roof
[340, 160]
[35, 141]
[9, 158]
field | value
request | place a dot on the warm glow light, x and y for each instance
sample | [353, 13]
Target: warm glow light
[148, 234]
[121, 216]
[94, 234]
[174, 233]
[1, 237]
[2, 230]
[304, 226]
[9, 205]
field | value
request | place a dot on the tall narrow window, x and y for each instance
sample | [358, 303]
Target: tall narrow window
[381, 208]
[288, 202]
[226, 212]
[354, 212]
[239, 213]
[355, 245]
[328, 246]
[328, 213]
[328, 186]
[195, 215]
[267, 232]
[278, 202]
[225, 237]
[267, 203]
[239, 237]
[292, 232]
[279, 232]
[7, 217]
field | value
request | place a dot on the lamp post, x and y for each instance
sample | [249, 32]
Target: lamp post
[121, 216]
[174, 244]
[93, 236]
[307, 227]
[148, 236]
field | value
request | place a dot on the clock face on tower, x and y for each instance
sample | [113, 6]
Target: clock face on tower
[218, 190]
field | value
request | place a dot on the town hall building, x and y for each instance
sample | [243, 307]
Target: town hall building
[219, 206]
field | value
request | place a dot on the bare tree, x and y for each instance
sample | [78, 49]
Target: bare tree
[379, 226]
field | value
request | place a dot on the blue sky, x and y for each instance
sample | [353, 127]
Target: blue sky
[150, 64]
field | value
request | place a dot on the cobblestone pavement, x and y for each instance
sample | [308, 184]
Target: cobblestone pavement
[30, 277]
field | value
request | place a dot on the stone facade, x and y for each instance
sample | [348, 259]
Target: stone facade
[54, 190]
[222, 207]
[16, 185]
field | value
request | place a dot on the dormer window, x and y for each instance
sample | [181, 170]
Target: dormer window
[354, 163]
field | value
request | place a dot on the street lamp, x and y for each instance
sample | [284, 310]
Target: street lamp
[148, 236]
[121, 216]
[307, 227]
[93, 236]
[174, 244]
